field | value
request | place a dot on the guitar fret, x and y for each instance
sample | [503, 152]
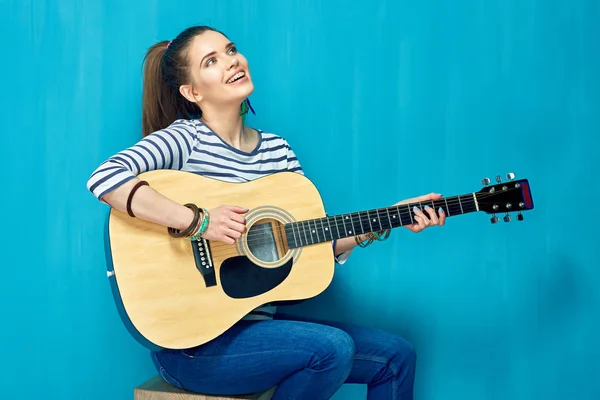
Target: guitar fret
[387, 210]
[447, 208]
[357, 230]
[293, 234]
[299, 228]
[344, 223]
[327, 229]
[350, 231]
[379, 221]
[469, 204]
[362, 229]
[299, 232]
[461, 207]
[397, 216]
[304, 229]
[337, 227]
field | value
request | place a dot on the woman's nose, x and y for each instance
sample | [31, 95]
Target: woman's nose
[233, 62]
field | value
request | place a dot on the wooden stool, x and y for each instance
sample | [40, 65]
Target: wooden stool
[157, 389]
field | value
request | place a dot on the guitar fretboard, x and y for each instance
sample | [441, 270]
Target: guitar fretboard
[303, 233]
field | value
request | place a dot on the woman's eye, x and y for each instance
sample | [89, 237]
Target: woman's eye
[232, 50]
[210, 61]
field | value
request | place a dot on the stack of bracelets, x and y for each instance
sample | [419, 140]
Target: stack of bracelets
[372, 236]
[193, 232]
[197, 227]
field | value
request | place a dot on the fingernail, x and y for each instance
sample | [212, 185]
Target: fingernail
[415, 208]
[441, 210]
[426, 207]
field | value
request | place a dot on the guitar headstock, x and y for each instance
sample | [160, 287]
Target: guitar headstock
[510, 196]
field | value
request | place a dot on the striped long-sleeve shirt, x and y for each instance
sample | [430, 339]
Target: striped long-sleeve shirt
[191, 145]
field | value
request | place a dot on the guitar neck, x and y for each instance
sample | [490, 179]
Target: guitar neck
[303, 233]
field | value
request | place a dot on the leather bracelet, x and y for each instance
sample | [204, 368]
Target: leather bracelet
[135, 188]
[176, 233]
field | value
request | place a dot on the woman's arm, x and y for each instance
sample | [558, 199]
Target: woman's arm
[113, 181]
[423, 221]
[150, 205]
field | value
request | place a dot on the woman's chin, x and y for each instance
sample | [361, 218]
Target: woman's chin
[242, 91]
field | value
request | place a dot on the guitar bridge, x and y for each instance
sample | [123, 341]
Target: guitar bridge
[204, 262]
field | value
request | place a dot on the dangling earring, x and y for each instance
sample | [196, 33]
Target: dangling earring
[245, 107]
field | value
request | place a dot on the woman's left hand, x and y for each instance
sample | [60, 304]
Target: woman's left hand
[425, 220]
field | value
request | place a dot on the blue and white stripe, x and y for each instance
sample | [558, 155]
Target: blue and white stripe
[190, 145]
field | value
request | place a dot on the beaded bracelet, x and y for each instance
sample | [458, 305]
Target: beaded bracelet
[203, 226]
[372, 236]
[364, 243]
[382, 235]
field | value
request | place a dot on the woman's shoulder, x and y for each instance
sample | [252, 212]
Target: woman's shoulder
[193, 125]
[270, 137]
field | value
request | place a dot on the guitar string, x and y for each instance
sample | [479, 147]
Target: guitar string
[364, 217]
[257, 237]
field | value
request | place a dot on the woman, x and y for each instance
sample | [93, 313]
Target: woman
[193, 89]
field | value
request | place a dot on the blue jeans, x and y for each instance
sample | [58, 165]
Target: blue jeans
[306, 358]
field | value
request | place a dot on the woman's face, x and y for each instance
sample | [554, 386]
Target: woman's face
[220, 75]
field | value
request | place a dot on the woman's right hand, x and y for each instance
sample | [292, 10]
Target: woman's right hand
[227, 224]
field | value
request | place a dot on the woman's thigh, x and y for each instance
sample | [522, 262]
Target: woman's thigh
[251, 356]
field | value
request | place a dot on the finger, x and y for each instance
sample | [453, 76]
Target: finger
[237, 218]
[419, 224]
[430, 196]
[442, 216]
[233, 234]
[425, 197]
[237, 227]
[432, 215]
[422, 216]
[228, 240]
[237, 209]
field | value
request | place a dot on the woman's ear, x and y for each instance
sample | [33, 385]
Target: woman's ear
[190, 93]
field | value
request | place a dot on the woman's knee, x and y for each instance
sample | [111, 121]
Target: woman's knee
[405, 355]
[335, 349]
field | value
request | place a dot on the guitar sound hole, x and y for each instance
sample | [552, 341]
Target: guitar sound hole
[267, 241]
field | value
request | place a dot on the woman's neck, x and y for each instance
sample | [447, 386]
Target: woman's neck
[228, 125]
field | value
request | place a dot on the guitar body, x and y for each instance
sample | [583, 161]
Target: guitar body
[180, 294]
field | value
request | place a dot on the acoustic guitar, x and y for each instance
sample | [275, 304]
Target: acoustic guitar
[174, 293]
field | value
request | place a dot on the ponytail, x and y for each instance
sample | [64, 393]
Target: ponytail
[165, 70]
[158, 109]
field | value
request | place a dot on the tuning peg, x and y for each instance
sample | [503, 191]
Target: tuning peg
[510, 176]
[507, 218]
[498, 179]
[520, 216]
[485, 181]
[494, 219]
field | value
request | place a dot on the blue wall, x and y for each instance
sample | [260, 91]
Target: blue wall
[382, 100]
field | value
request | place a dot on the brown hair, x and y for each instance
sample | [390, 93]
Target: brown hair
[166, 68]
